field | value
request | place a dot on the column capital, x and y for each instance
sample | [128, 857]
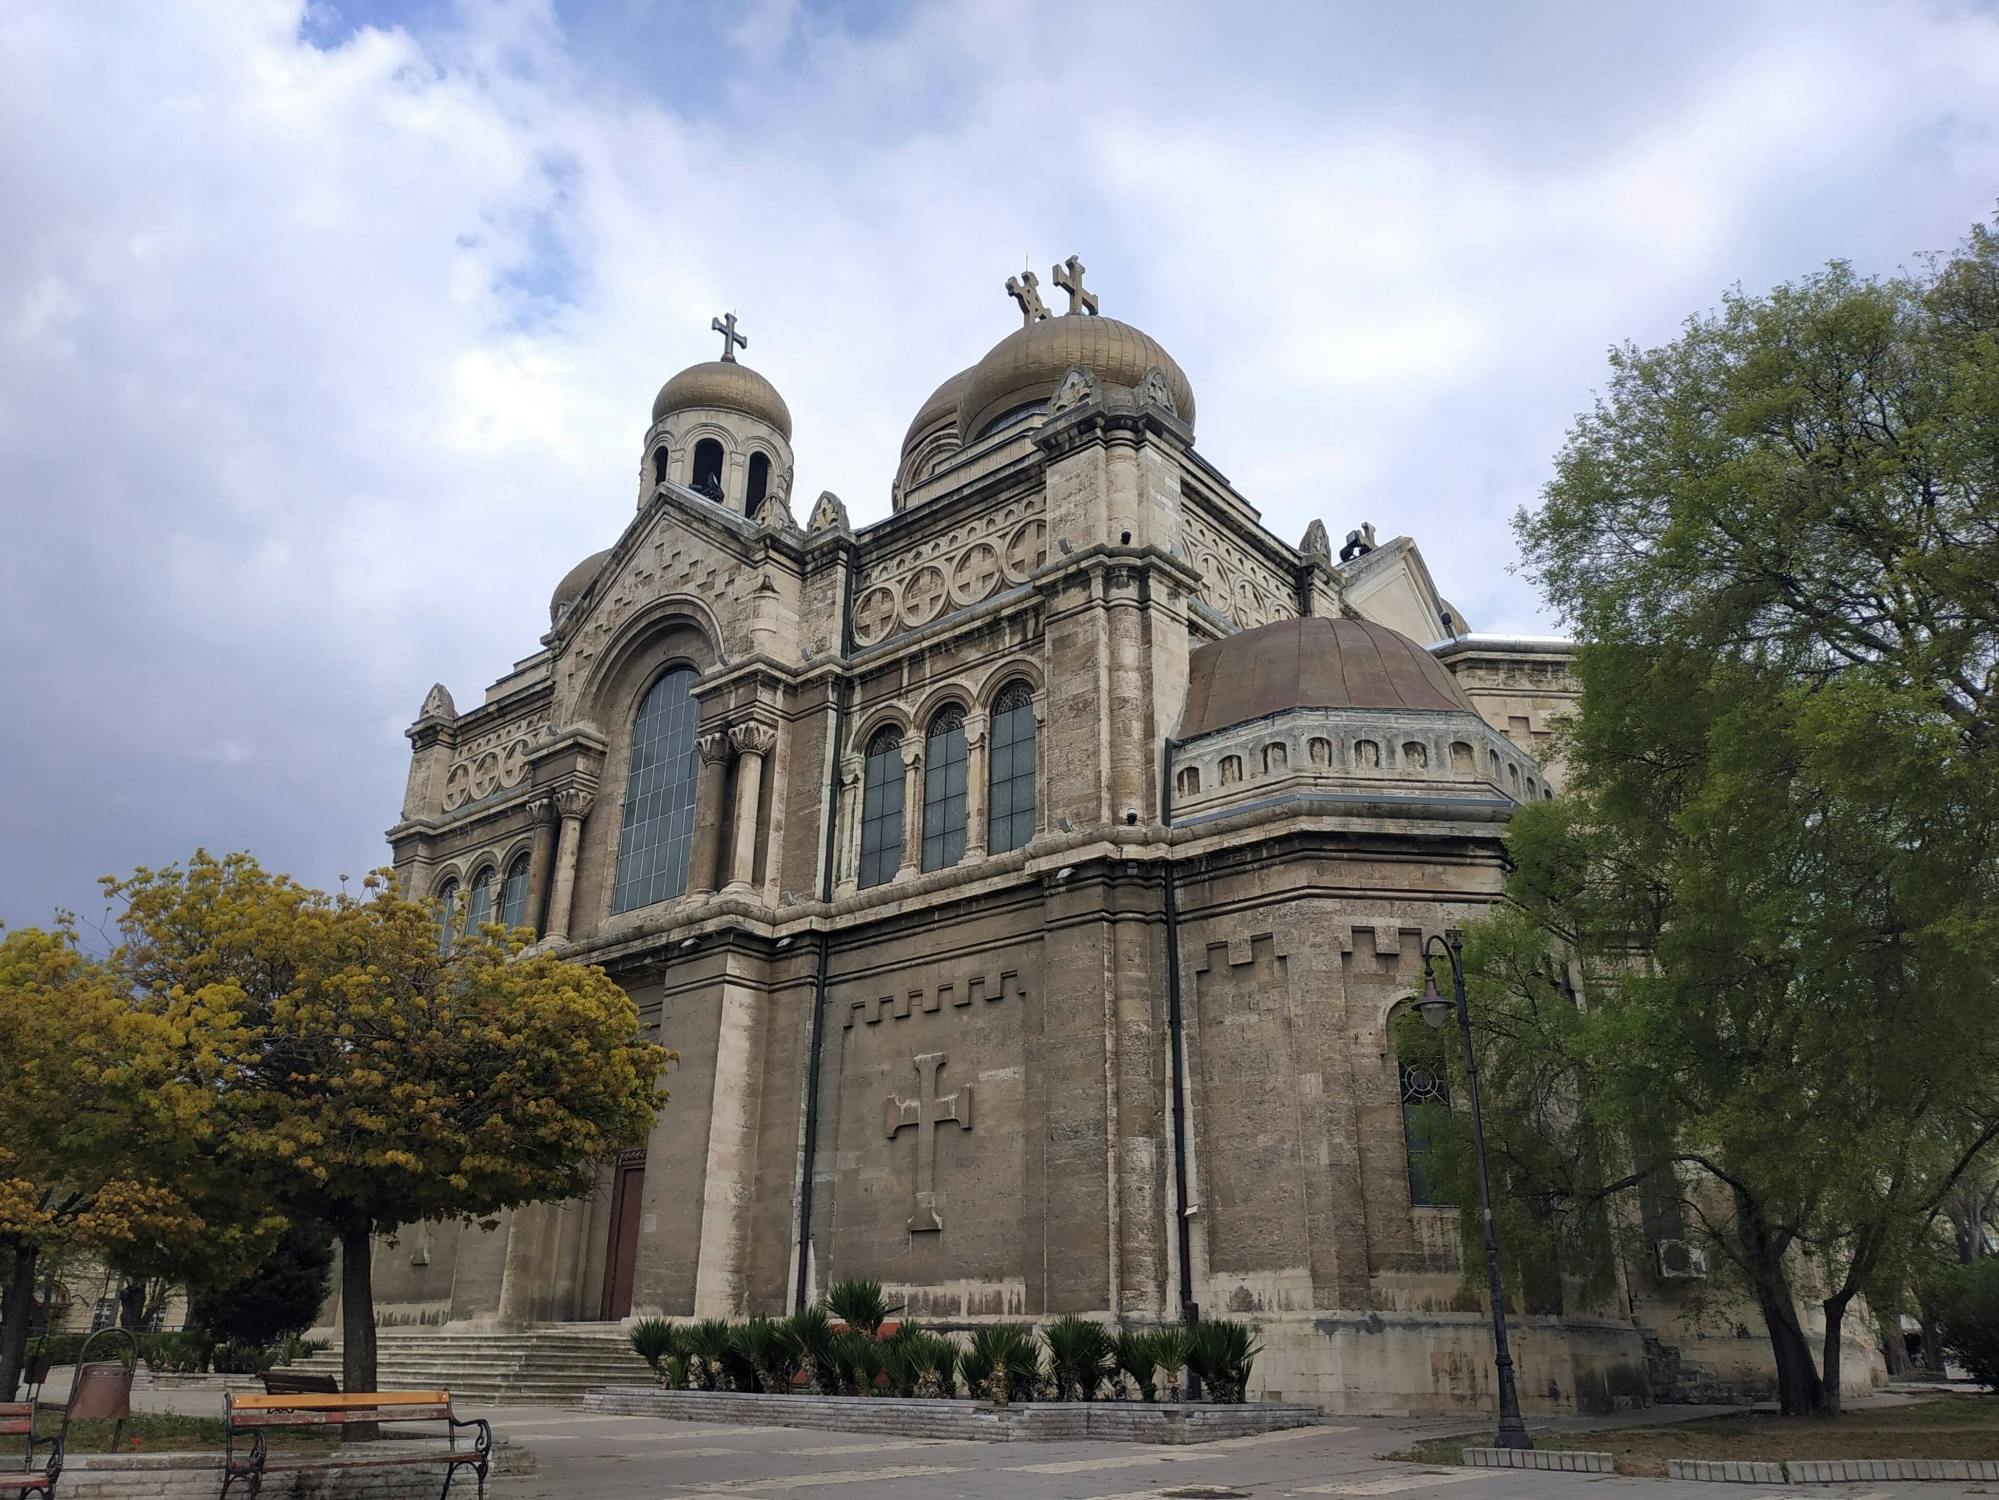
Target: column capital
[574, 801]
[753, 737]
[912, 753]
[542, 810]
[714, 746]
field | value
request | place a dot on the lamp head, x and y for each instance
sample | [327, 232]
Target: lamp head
[1433, 1007]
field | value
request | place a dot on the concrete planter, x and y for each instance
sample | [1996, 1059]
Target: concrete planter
[1024, 1421]
[198, 1476]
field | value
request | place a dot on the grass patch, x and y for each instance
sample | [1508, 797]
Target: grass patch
[1947, 1427]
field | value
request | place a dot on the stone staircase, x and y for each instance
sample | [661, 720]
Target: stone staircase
[552, 1364]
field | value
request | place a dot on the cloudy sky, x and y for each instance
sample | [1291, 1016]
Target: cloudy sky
[328, 330]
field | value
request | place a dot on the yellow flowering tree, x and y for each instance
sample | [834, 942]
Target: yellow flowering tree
[371, 1079]
[96, 1152]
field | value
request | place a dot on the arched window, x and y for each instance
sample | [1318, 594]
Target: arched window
[707, 476]
[759, 484]
[881, 807]
[514, 894]
[659, 457]
[1426, 1101]
[658, 828]
[1188, 782]
[447, 915]
[1010, 770]
[944, 790]
[479, 905]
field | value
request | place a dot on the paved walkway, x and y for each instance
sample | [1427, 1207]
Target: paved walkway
[624, 1458]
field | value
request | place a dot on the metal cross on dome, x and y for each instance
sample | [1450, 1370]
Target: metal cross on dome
[731, 340]
[1069, 277]
[1023, 289]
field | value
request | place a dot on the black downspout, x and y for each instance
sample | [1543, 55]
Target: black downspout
[1190, 1310]
[839, 689]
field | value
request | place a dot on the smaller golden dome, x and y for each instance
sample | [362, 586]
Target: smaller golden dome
[1027, 365]
[726, 383]
[942, 406]
[1313, 662]
[574, 582]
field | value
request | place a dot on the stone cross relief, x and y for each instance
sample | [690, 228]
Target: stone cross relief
[731, 340]
[927, 1112]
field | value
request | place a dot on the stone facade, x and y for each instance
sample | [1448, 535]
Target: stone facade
[1121, 1047]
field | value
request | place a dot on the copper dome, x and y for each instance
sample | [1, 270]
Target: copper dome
[1313, 663]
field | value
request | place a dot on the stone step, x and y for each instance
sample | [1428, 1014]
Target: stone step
[554, 1365]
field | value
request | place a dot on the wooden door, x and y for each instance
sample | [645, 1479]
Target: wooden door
[621, 1254]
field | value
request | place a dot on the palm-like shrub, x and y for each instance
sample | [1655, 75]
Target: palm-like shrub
[1133, 1350]
[859, 1304]
[1079, 1356]
[1223, 1352]
[870, 1364]
[933, 1358]
[708, 1346]
[899, 1359]
[1172, 1345]
[1009, 1358]
[814, 1331]
[653, 1339]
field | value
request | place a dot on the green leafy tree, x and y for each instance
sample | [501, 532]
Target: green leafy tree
[98, 1156]
[372, 1079]
[280, 1297]
[1776, 870]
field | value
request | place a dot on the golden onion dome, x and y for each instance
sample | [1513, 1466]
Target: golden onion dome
[1028, 364]
[726, 383]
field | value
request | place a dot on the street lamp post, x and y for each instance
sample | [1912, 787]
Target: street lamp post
[1435, 1010]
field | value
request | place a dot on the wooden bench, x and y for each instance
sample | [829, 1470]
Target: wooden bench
[299, 1383]
[254, 1416]
[17, 1419]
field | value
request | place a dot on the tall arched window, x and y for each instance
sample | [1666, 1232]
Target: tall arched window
[447, 915]
[479, 904]
[659, 457]
[881, 807]
[514, 894]
[1426, 1101]
[658, 828]
[1010, 770]
[707, 476]
[759, 483]
[944, 790]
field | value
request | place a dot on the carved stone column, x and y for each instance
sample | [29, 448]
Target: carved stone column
[977, 764]
[912, 808]
[701, 854]
[847, 831]
[752, 742]
[542, 811]
[572, 805]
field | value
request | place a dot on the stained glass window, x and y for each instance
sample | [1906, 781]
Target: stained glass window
[658, 829]
[1010, 770]
[944, 790]
[881, 808]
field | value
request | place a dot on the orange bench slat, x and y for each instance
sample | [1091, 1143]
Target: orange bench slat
[354, 1415]
[333, 1401]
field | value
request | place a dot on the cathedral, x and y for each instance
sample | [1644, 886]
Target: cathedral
[1028, 882]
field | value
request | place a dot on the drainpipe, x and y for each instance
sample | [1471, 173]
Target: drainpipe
[1190, 1310]
[840, 688]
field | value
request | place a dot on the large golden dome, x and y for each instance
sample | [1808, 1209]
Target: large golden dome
[1027, 365]
[942, 405]
[728, 384]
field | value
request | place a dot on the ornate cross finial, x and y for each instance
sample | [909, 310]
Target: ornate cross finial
[1022, 289]
[731, 340]
[1069, 277]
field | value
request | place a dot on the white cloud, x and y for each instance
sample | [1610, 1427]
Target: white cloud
[320, 363]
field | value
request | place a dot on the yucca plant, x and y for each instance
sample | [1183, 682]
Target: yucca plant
[1171, 1344]
[1078, 1353]
[859, 1304]
[1133, 1351]
[814, 1331]
[935, 1358]
[1222, 1354]
[870, 1364]
[1010, 1358]
[975, 1368]
[653, 1339]
[708, 1344]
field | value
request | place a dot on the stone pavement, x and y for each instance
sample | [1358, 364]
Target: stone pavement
[624, 1458]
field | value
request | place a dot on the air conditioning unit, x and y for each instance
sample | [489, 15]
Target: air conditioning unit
[1681, 1260]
